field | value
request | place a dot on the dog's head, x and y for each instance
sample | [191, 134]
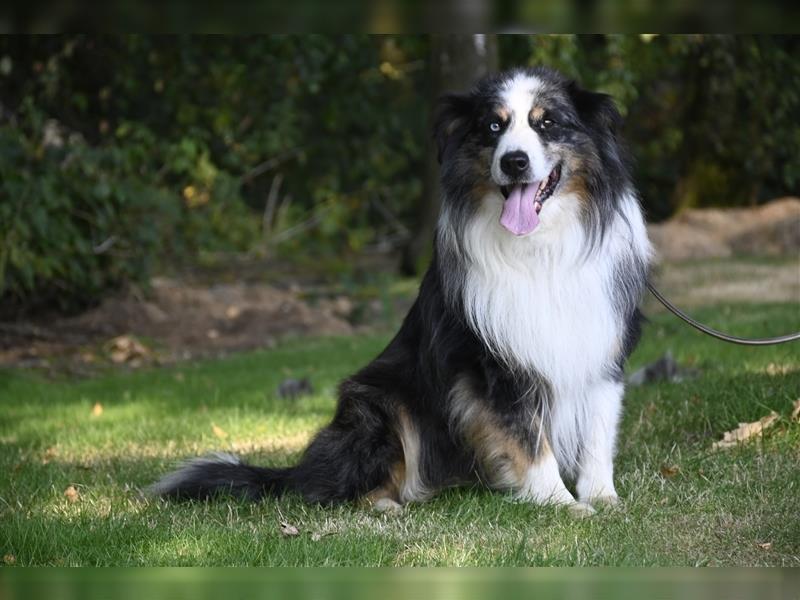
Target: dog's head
[528, 140]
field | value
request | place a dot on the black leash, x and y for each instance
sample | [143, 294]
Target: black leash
[782, 339]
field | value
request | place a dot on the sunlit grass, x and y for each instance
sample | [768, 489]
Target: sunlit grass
[715, 508]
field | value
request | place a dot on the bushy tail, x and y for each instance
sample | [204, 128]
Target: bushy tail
[221, 473]
[345, 460]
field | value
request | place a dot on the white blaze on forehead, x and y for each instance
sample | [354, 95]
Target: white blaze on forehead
[517, 97]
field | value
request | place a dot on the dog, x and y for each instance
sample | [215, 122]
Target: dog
[508, 368]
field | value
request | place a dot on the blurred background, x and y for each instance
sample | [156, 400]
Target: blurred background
[239, 188]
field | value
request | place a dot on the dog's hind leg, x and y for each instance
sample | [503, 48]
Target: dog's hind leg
[404, 483]
[386, 498]
[355, 453]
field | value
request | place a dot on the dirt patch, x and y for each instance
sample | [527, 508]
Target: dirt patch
[731, 280]
[730, 255]
[220, 317]
[174, 321]
[769, 230]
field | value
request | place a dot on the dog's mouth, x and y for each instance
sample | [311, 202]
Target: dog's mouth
[524, 202]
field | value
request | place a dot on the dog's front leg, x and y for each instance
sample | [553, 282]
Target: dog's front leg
[542, 483]
[595, 483]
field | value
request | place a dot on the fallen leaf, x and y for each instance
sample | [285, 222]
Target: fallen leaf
[10, 559]
[775, 369]
[289, 530]
[126, 348]
[97, 409]
[765, 545]
[219, 431]
[668, 471]
[796, 410]
[71, 494]
[745, 431]
[49, 454]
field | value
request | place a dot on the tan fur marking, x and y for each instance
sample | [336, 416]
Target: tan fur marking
[544, 450]
[404, 483]
[537, 112]
[576, 183]
[411, 486]
[502, 459]
[481, 167]
[391, 489]
[503, 113]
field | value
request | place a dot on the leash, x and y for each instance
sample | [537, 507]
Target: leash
[781, 339]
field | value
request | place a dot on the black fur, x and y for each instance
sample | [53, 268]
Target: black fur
[435, 346]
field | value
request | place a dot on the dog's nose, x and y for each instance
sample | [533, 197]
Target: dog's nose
[514, 163]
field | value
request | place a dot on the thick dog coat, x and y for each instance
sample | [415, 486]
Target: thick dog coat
[508, 368]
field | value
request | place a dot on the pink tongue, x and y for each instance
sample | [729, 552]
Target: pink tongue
[519, 216]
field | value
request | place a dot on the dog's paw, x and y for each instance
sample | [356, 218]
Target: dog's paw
[581, 510]
[387, 506]
[607, 502]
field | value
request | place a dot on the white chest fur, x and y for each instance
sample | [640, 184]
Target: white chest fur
[541, 302]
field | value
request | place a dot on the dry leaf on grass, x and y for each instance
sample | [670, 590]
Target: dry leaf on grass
[97, 409]
[71, 494]
[127, 349]
[668, 471]
[289, 530]
[745, 431]
[10, 559]
[49, 454]
[765, 545]
[774, 369]
[796, 410]
[219, 431]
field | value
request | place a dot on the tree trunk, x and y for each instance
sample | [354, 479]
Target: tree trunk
[455, 63]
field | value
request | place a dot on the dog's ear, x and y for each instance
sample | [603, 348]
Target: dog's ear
[451, 121]
[597, 110]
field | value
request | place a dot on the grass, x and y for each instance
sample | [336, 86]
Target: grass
[684, 504]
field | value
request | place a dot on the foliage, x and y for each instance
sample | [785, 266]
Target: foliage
[169, 147]
[119, 155]
[74, 217]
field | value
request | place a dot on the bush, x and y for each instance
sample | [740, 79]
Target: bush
[119, 154]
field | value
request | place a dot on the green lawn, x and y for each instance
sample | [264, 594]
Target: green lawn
[684, 504]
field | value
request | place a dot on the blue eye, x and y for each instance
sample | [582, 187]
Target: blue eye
[494, 126]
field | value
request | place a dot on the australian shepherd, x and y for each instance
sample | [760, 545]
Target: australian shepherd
[508, 369]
